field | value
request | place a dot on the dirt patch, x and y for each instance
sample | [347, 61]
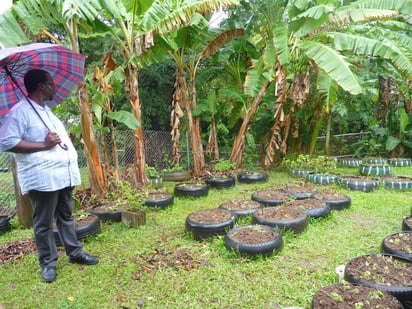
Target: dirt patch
[253, 235]
[16, 249]
[210, 216]
[351, 296]
[240, 205]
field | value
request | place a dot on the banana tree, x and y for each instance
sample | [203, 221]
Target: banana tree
[305, 30]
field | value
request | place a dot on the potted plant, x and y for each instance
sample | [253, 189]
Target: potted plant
[191, 189]
[222, 175]
[175, 173]
[154, 176]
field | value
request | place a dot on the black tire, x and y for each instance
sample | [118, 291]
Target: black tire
[202, 231]
[338, 204]
[267, 202]
[349, 162]
[374, 160]
[322, 179]
[113, 216]
[402, 293]
[400, 162]
[191, 190]
[405, 225]
[5, 224]
[300, 173]
[360, 184]
[296, 225]
[176, 176]
[82, 232]
[402, 183]
[267, 248]
[319, 212]
[389, 250]
[251, 177]
[221, 182]
[252, 206]
[161, 203]
[375, 169]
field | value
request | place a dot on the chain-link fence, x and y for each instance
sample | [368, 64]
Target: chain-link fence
[158, 149]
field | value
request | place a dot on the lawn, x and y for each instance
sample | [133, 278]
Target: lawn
[159, 266]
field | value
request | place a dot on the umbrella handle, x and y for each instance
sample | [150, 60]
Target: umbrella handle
[64, 146]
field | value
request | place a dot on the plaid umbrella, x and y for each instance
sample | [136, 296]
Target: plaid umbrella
[65, 66]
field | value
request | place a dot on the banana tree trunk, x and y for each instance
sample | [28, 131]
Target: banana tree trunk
[194, 130]
[95, 170]
[240, 144]
[132, 86]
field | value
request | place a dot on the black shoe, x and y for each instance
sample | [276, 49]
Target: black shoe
[84, 259]
[48, 273]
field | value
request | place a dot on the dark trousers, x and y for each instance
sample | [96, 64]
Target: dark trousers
[50, 207]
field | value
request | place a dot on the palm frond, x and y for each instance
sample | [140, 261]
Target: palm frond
[224, 37]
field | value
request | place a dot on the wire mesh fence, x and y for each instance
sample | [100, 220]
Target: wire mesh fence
[158, 153]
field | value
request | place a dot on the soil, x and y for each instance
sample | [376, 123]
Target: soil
[16, 249]
[396, 178]
[83, 220]
[279, 213]
[329, 196]
[253, 235]
[240, 205]
[309, 203]
[348, 296]
[401, 242]
[272, 195]
[210, 216]
[299, 188]
[154, 196]
[380, 269]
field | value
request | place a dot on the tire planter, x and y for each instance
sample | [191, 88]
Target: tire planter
[350, 162]
[400, 162]
[296, 221]
[375, 169]
[106, 214]
[241, 208]
[350, 296]
[221, 182]
[300, 173]
[397, 183]
[191, 189]
[251, 177]
[159, 200]
[322, 179]
[82, 231]
[270, 198]
[374, 160]
[392, 265]
[314, 208]
[336, 201]
[407, 223]
[246, 240]
[300, 192]
[176, 176]
[391, 243]
[219, 221]
[5, 224]
[365, 184]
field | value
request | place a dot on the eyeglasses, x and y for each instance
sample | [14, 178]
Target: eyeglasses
[51, 84]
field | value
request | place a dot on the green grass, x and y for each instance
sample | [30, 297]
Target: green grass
[134, 262]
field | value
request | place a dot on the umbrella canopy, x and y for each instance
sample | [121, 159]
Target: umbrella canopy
[65, 66]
